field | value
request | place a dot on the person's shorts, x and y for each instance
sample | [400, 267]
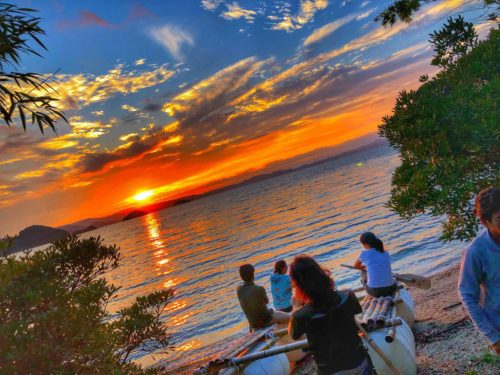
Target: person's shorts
[382, 292]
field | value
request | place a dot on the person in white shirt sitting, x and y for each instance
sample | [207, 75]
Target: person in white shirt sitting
[377, 263]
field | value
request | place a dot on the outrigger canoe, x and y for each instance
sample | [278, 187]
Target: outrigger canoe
[385, 327]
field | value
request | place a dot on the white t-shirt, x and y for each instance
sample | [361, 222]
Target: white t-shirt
[378, 266]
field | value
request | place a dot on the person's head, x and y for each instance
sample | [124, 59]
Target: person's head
[280, 267]
[370, 241]
[488, 209]
[247, 273]
[312, 281]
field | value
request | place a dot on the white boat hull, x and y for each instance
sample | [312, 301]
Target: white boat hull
[401, 351]
[406, 308]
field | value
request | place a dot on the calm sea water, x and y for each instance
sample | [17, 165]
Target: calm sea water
[321, 211]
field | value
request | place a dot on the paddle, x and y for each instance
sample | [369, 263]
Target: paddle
[416, 281]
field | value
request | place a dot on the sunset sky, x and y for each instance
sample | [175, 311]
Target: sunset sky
[167, 98]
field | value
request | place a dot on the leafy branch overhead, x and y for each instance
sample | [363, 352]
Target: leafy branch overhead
[447, 131]
[24, 96]
[403, 11]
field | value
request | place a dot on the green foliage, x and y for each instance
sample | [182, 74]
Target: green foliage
[448, 137]
[53, 316]
[400, 10]
[452, 42]
[403, 10]
[18, 30]
[490, 358]
[5, 244]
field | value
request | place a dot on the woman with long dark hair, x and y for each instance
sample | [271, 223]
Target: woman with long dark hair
[326, 316]
[377, 263]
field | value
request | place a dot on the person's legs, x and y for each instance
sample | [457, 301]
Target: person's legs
[280, 317]
[364, 278]
[373, 292]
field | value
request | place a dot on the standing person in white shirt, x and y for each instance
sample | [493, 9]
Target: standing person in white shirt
[377, 263]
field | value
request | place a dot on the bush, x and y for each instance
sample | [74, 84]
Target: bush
[54, 319]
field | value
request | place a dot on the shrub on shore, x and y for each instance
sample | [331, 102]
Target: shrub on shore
[54, 318]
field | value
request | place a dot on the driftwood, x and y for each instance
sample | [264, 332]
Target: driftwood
[449, 307]
[437, 334]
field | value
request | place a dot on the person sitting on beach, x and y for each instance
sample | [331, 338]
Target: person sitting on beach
[479, 280]
[253, 301]
[377, 263]
[326, 316]
[281, 287]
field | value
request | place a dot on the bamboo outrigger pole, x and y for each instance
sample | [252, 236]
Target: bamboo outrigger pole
[415, 281]
[270, 352]
[231, 365]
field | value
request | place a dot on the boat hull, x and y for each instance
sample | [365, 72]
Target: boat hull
[401, 351]
[406, 308]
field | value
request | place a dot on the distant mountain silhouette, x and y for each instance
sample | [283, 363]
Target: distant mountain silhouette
[88, 229]
[121, 215]
[134, 214]
[36, 235]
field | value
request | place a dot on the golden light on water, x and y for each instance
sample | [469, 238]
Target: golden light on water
[179, 320]
[169, 283]
[177, 305]
[189, 346]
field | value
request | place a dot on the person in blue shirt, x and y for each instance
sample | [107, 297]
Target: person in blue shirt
[479, 279]
[377, 263]
[281, 287]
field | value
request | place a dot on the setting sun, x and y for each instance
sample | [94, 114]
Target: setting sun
[143, 195]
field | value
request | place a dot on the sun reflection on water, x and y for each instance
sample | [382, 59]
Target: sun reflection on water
[153, 228]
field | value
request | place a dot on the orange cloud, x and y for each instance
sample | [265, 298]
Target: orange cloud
[79, 90]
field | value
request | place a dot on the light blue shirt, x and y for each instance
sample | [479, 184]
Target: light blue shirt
[281, 290]
[378, 267]
[479, 285]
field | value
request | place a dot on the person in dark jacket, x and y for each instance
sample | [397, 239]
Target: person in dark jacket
[327, 319]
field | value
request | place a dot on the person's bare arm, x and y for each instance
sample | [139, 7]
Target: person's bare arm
[359, 265]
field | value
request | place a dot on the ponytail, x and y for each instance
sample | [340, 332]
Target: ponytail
[370, 239]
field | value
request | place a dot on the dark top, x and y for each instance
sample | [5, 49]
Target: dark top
[253, 300]
[332, 333]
